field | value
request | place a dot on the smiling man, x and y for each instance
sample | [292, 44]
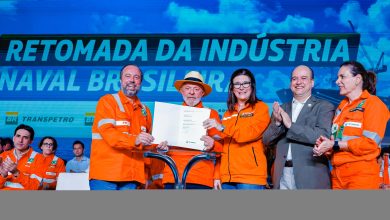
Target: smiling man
[19, 169]
[294, 129]
[193, 88]
[120, 130]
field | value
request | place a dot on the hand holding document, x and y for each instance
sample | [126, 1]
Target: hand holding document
[180, 126]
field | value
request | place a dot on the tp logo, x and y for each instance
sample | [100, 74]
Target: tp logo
[11, 118]
[88, 119]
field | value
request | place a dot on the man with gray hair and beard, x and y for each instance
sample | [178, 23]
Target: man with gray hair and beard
[120, 130]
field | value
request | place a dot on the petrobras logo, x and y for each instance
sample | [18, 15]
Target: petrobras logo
[11, 118]
[88, 118]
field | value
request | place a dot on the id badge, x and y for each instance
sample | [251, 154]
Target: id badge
[335, 127]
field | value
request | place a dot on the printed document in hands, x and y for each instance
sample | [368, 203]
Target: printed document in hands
[181, 126]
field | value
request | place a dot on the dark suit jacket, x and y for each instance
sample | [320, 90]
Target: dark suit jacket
[315, 119]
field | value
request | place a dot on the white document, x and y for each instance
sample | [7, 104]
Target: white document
[181, 126]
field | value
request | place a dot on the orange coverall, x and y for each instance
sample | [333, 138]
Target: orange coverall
[29, 172]
[154, 169]
[362, 123]
[243, 159]
[202, 172]
[51, 167]
[114, 155]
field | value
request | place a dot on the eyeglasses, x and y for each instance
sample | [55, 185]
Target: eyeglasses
[244, 85]
[48, 144]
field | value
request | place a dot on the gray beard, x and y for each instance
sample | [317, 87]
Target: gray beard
[194, 103]
[129, 93]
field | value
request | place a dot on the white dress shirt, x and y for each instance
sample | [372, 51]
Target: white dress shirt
[296, 109]
[287, 180]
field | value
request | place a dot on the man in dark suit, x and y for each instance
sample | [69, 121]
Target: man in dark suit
[294, 128]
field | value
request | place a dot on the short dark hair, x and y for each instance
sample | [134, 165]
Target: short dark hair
[121, 71]
[232, 99]
[55, 145]
[27, 128]
[78, 142]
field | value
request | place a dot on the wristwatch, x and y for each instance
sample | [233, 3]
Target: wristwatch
[336, 146]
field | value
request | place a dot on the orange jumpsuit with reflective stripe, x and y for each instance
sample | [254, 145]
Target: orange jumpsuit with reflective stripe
[154, 169]
[114, 155]
[51, 167]
[202, 172]
[29, 172]
[362, 123]
[243, 159]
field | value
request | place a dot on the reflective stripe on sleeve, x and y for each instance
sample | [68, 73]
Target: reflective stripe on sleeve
[157, 176]
[372, 135]
[13, 185]
[48, 180]
[33, 176]
[347, 138]
[96, 136]
[106, 121]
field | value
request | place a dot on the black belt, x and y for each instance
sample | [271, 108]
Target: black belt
[288, 163]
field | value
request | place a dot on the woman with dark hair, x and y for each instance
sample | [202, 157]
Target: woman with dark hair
[243, 164]
[358, 128]
[52, 165]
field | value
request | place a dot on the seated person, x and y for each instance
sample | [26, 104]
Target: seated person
[80, 163]
[51, 165]
[19, 168]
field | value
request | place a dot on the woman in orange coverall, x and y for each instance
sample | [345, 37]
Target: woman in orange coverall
[358, 128]
[243, 164]
[52, 165]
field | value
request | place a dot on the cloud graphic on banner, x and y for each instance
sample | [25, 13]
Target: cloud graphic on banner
[269, 82]
[110, 23]
[235, 16]
[380, 11]
[8, 6]
[374, 26]
[294, 23]
[330, 12]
